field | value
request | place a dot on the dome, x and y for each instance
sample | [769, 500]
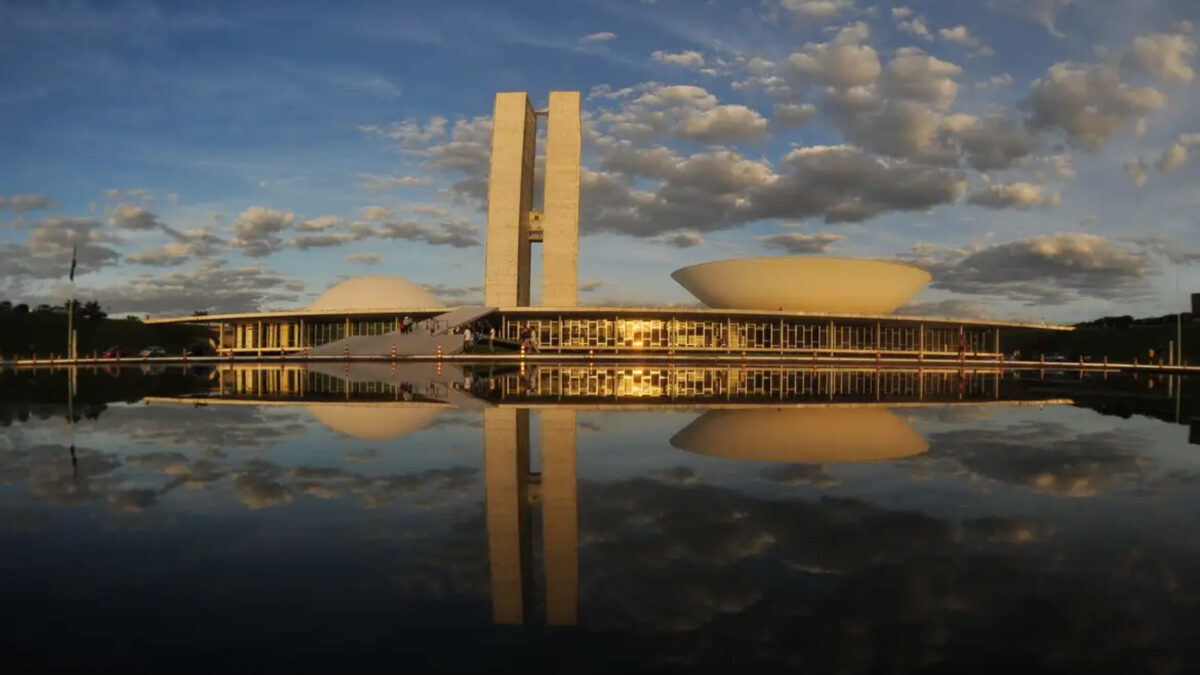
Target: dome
[373, 422]
[376, 292]
[803, 284]
[802, 435]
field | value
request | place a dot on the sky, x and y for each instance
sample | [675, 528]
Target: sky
[1039, 157]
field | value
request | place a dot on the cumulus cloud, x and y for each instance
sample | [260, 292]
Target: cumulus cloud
[797, 243]
[455, 233]
[48, 250]
[685, 59]
[376, 182]
[187, 245]
[209, 286]
[319, 224]
[256, 230]
[995, 81]
[916, 27]
[1051, 269]
[409, 133]
[681, 111]
[720, 189]
[1089, 103]
[22, 203]
[1018, 195]
[962, 36]
[377, 213]
[364, 258]
[428, 210]
[128, 216]
[602, 36]
[1163, 56]
[591, 285]
[843, 62]
[1136, 169]
[816, 10]
[679, 239]
[1044, 12]
[793, 114]
[1172, 158]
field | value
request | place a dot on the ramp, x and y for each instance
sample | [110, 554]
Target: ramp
[423, 340]
[460, 317]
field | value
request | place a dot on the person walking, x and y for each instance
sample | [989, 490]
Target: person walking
[467, 338]
[491, 338]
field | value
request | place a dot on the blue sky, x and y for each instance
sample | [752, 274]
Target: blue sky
[1038, 156]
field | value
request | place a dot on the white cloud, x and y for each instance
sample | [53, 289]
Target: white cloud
[684, 59]
[602, 36]
[816, 10]
[1001, 80]
[382, 182]
[793, 114]
[1089, 103]
[256, 230]
[377, 213]
[1163, 56]
[1172, 158]
[409, 133]
[22, 203]
[916, 27]
[132, 217]
[1050, 269]
[843, 62]
[961, 35]
[364, 258]
[1043, 12]
[1136, 169]
[319, 224]
[797, 243]
[1018, 195]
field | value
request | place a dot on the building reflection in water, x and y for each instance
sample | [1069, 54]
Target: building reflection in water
[513, 490]
[784, 415]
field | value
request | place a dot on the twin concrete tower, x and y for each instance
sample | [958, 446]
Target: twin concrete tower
[512, 224]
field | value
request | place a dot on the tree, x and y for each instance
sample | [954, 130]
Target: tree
[6, 306]
[21, 308]
[92, 310]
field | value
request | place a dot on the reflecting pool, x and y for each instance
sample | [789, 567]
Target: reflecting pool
[452, 518]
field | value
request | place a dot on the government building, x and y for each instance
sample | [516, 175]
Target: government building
[790, 306]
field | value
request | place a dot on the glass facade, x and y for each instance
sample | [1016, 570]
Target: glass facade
[650, 333]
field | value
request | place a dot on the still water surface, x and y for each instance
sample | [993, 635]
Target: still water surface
[586, 520]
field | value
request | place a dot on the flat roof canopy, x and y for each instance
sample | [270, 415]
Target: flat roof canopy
[630, 312]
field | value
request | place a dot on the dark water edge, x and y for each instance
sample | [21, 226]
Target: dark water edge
[1037, 524]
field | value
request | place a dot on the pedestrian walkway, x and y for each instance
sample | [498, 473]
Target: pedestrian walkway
[423, 339]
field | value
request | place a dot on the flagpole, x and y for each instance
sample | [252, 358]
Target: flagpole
[71, 351]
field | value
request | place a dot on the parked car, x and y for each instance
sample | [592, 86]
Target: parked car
[153, 350]
[198, 349]
[113, 352]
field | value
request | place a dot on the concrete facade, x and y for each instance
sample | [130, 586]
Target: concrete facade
[510, 199]
[512, 223]
[560, 237]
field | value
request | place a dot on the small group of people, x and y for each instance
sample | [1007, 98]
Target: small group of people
[477, 332]
[528, 338]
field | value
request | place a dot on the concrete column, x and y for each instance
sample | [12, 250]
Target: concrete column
[560, 241]
[560, 519]
[510, 198]
[506, 467]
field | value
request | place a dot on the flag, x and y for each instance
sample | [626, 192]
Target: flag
[74, 250]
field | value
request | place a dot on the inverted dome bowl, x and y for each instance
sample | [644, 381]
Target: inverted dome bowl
[802, 435]
[803, 284]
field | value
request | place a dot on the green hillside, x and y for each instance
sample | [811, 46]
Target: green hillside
[45, 333]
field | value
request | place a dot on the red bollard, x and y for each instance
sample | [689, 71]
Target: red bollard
[346, 352]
